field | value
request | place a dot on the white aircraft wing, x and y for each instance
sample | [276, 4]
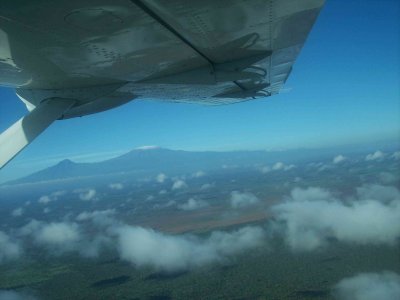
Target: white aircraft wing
[104, 53]
[250, 46]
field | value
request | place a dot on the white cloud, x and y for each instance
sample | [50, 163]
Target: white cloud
[58, 193]
[138, 245]
[92, 247]
[311, 216]
[86, 194]
[85, 216]
[339, 158]
[369, 286]
[388, 178]
[239, 199]
[100, 217]
[63, 237]
[324, 167]
[265, 169]
[162, 192]
[310, 194]
[229, 243]
[165, 205]
[12, 295]
[378, 192]
[377, 155]
[116, 186]
[193, 204]
[61, 234]
[146, 247]
[30, 228]
[199, 174]
[206, 186]
[280, 166]
[45, 199]
[17, 212]
[58, 236]
[150, 198]
[161, 178]
[9, 249]
[396, 155]
[179, 184]
[319, 166]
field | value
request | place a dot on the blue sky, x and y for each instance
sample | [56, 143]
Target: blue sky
[344, 89]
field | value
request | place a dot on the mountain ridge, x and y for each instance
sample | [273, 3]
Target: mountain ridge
[153, 159]
[149, 160]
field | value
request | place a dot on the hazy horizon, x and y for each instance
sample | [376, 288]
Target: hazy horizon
[29, 166]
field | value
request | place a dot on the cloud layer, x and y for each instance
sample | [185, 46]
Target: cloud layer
[279, 166]
[86, 194]
[160, 178]
[193, 204]
[338, 159]
[310, 217]
[17, 212]
[239, 200]
[369, 286]
[137, 245]
[116, 186]
[377, 155]
[12, 295]
[57, 237]
[9, 249]
[179, 184]
[146, 247]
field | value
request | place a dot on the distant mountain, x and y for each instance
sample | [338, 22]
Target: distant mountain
[154, 160]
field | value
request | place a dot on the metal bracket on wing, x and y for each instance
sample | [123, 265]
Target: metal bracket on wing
[256, 91]
[89, 100]
[241, 69]
[33, 97]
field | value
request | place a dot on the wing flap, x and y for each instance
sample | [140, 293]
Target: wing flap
[231, 31]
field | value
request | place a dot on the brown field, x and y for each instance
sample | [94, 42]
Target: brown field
[213, 217]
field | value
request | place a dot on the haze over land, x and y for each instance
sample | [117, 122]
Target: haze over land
[149, 160]
[224, 213]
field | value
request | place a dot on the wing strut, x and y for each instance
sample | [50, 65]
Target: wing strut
[26, 129]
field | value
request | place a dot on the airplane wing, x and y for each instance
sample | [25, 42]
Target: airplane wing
[26, 129]
[249, 46]
[104, 53]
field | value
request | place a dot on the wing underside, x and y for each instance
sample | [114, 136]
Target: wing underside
[77, 57]
[210, 51]
[254, 42]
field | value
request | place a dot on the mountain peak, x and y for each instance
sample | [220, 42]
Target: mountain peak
[65, 162]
